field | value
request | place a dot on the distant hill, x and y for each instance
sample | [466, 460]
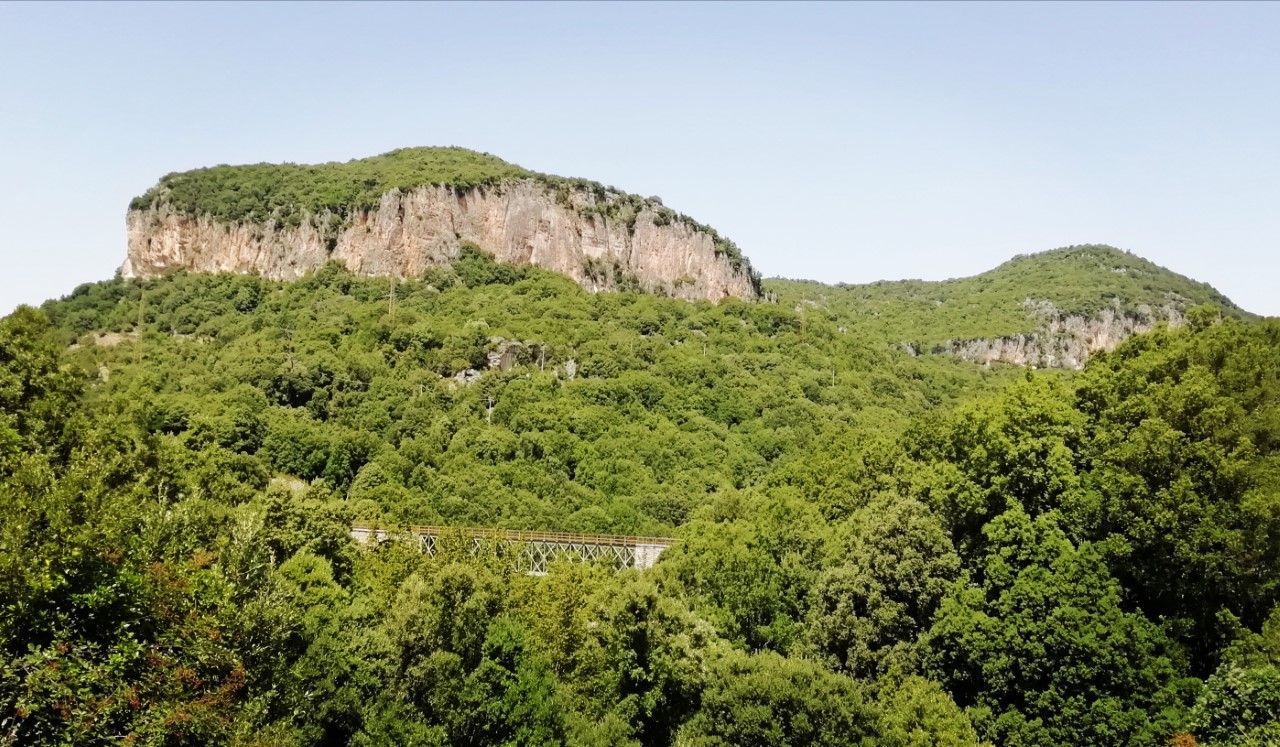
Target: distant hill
[405, 212]
[1051, 308]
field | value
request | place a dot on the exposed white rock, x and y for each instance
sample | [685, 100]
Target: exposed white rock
[1063, 341]
[520, 222]
[466, 377]
[505, 353]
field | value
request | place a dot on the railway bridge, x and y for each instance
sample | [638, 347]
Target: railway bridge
[531, 552]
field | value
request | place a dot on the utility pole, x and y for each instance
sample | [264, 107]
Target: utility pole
[142, 305]
[391, 297]
[286, 334]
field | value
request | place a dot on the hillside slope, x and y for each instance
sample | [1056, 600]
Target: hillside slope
[403, 212]
[181, 459]
[1050, 309]
[516, 397]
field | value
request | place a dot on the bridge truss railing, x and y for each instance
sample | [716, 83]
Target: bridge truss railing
[532, 552]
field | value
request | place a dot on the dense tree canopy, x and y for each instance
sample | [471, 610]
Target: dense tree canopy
[1012, 299]
[873, 548]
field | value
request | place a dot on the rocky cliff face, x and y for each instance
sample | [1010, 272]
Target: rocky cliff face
[522, 221]
[1063, 340]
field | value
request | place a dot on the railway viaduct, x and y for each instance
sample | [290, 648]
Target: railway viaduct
[531, 552]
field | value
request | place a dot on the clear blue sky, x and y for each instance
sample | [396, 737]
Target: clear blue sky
[841, 142]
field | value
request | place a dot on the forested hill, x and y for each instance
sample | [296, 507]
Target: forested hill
[1061, 295]
[494, 394]
[873, 547]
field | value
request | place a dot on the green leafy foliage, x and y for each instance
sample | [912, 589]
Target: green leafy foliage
[1009, 300]
[1041, 651]
[38, 395]
[872, 548]
[1184, 473]
[288, 192]
[756, 701]
[867, 612]
[918, 712]
[1239, 704]
[618, 413]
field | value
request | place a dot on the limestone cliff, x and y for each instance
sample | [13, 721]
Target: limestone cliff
[601, 238]
[1063, 340]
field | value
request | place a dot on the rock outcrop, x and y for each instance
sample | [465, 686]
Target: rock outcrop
[523, 221]
[1063, 340]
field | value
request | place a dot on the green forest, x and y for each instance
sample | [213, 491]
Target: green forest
[873, 548]
[1012, 298]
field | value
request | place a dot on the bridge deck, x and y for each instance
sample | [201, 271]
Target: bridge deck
[535, 550]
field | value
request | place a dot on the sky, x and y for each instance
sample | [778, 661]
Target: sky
[842, 142]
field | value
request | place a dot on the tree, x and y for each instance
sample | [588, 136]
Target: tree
[866, 613]
[747, 563]
[1041, 651]
[1020, 446]
[767, 700]
[38, 393]
[1183, 476]
[652, 655]
[916, 712]
[1241, 699]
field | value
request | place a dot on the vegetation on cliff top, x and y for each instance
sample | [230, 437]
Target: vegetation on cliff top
[1008, 300]
[289, 193]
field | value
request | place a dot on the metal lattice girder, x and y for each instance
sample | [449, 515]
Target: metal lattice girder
[532, 552]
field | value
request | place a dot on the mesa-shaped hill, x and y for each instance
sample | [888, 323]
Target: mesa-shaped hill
[403, 212]
[1049, 309]
[408, 211]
